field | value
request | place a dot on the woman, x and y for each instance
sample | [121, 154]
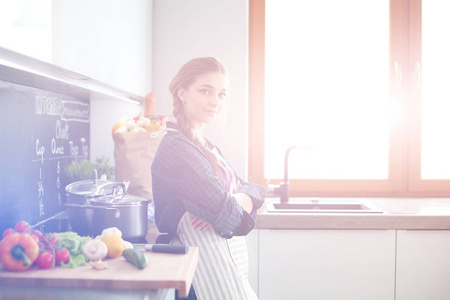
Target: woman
[198, 197]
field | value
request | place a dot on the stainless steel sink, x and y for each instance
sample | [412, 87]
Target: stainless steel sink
[321, 206]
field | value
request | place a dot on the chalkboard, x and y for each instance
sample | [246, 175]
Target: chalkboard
[41, 131]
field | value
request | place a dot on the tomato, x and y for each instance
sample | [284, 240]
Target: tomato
[36, 232]
[52, 239]
[7, 231]
[61, 256]
[22, 226]
[44, 260]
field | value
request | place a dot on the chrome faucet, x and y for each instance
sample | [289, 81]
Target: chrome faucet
[283, 188]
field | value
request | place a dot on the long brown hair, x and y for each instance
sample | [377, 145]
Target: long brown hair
[187, 74]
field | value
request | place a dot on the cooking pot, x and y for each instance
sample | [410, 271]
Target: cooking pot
[128, 213]
[113, 208]
[79, 194]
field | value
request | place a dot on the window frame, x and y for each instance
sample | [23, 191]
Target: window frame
[404, 178]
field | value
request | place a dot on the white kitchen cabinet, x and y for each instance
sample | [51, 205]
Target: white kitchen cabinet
[423, 265]
[252, 241]
[327, 264]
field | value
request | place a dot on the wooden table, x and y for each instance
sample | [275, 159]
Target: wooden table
[164, 272]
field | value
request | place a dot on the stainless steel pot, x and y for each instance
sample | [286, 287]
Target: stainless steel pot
[79, 195]
[128, 213]
[94, 207]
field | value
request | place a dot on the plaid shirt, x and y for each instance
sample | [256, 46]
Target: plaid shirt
[183, 181]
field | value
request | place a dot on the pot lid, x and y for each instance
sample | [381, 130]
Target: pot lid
[119, 200]
[94, 188]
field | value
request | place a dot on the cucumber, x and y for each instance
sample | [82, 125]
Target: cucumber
[136, 257]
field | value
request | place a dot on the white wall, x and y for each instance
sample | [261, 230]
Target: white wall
[183, 30]
[139, 45]
[110, 41]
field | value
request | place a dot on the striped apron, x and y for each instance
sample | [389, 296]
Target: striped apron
[222, 270]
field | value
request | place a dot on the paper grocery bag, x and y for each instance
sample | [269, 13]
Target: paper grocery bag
[133, 156]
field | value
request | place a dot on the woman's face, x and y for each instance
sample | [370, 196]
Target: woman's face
[203, 100]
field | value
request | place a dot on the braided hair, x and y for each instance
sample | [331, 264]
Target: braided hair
[186, 76]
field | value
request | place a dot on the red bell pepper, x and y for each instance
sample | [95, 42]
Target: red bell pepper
[18, 251]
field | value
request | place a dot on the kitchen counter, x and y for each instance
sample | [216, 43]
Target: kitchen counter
[398, 213]
[165, 273]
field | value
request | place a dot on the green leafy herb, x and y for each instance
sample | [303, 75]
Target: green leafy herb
[73, 242]
[82, 169]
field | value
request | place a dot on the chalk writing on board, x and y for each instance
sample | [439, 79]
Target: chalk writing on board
[50, 106]
[75, 111]
[61, 144]
[44, 132]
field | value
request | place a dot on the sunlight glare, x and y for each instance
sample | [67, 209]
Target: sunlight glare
[327, 88]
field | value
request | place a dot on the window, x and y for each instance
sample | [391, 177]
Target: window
[359, 87]
[435, 92]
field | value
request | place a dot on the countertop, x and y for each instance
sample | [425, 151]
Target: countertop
[397, 213]
[164, 271]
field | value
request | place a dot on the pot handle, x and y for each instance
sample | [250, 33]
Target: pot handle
[119, 184]
[115, 185]
[116, 213]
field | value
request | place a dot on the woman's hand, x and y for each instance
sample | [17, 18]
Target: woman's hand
[199, 224]
[245, 201]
